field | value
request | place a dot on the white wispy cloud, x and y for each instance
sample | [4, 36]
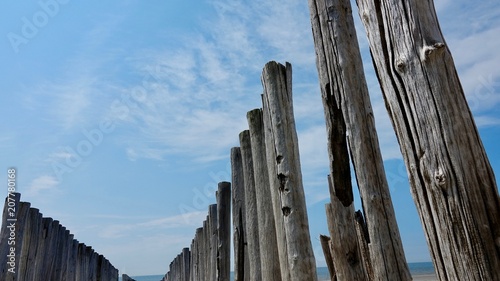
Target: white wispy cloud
[41, 184]
[197, 96]
[190, 219]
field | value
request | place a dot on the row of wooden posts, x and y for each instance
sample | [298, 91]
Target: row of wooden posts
[38, 248]
[209, 256]
[451, 179]
[450, 175]
[270, 225]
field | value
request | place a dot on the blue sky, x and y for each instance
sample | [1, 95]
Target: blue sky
[120, 116]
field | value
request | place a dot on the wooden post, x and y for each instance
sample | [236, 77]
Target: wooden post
[197, 264]
[276, 199]
[204, 253]
[241, 262]
[285, 175]
[251, 216]
[58, 249]
[345, 94]
[344, 246]
[224, 231]
[270, 267]
[362, 235]
[186, 263]
[72, 260]
[325, 245]
[29, 251]
[451, 179]
[212, 255]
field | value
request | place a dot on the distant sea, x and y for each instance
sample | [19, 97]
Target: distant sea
[417, 268]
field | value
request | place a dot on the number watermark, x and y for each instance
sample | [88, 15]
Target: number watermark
[11, 219]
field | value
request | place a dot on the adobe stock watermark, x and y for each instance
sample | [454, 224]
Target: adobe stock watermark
[120, 108]
[82, 149]
[203, 196]
[32, 25]
[483, 92]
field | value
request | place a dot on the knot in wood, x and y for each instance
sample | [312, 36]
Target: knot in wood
[427, 50]
[401, 64]
[352, 258]
[286, 211]
[440, 177]
[282, 179]
[279, 159]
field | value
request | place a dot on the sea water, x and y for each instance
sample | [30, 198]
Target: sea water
[418, 268]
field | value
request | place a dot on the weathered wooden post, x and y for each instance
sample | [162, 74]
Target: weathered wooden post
[450, 176]
[199, 251]
[325, 246]
[241, 263]
[204, 253]
[186, 263]
[192, 259]
[345, 250]
[285, 175]
[345, 96]
[212, 255]
[30, 243]
[270, 267]
[223, 231]
[251, 210]
[72, 259]
[363, 241]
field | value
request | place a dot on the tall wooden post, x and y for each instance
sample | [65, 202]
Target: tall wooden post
[241, 262]
[451, 179]
[212, 255]
[224, 231]
[285, 176]
[325, 246]
[270, 267]
[345, 96]
[252, 214]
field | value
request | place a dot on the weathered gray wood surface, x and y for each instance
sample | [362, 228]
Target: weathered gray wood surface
[241, 263]
[285, 173]
[345, 250]
[45, 250]
[363, 241]
[325, 246]
[450, 176]
[251, 216]
[212, 254]
[186, 263]
[276, 198]
[270, 267]
[343, 88]
[224, 231]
